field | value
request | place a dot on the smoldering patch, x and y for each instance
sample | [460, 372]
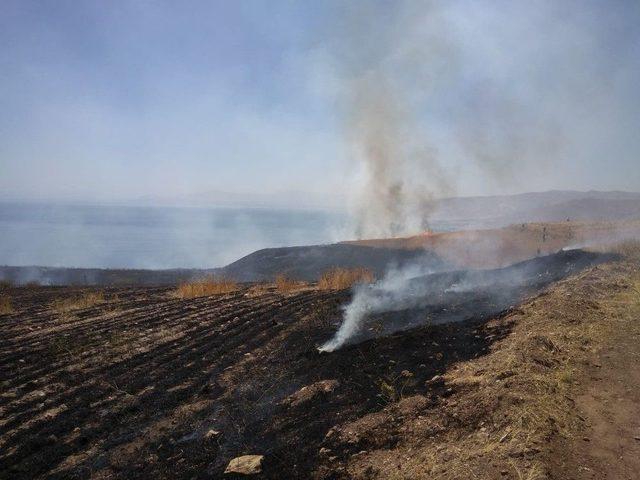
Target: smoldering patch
[403, 300]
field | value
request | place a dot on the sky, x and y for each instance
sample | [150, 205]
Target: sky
[129, 100]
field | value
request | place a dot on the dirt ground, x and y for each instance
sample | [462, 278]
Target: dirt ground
[145, 385]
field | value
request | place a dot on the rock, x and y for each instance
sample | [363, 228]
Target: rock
[211, 434]
[324, 451]
[309, 392]
[245, 465]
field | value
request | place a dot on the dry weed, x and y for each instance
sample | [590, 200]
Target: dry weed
[205, 287]
[86, 300]
[285, 284]
[342, 278]
[630, 249]
[6, 307]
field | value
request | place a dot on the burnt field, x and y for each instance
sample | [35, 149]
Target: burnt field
[142, 384]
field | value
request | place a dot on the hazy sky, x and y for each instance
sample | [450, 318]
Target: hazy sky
[125, 99]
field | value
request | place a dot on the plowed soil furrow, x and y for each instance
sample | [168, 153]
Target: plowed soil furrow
[93, 330]
[212, 334]
[213, 316]
[193, 349]
[190, 348]
[84, 320]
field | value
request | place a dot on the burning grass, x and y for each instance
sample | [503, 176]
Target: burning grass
[205, 287]
[343, 278]
[6, 307]
[86, 300]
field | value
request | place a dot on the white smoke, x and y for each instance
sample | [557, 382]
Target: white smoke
[386, 295]
[441, 98]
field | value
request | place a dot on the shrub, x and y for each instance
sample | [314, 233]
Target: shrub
[341, 278]
[86, 300]
[205, 287]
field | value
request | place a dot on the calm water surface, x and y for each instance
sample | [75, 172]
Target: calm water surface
[153, 237]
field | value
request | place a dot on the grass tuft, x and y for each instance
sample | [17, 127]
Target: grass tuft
[342, 278]
[205, 287]
[6, 307]
[630, 249]
[285, 284]
[87, 300]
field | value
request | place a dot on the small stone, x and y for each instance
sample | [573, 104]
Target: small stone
[245, 465]
[211, 434]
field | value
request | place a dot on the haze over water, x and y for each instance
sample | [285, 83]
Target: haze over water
[152, 237]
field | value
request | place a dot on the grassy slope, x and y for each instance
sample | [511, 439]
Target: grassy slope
[523, 411]
[502, 246]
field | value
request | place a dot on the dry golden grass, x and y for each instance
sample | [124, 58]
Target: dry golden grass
[5, 305]
[630, 249]
[341, 278]
[285, 284]
[87, 300]
[205, 287]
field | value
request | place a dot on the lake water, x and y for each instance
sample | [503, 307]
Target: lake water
[153, 237]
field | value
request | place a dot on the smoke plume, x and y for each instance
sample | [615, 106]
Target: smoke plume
[508, 94]
[443, 98]
[389, 294]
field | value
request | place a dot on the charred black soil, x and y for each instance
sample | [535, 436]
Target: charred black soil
[146, 385]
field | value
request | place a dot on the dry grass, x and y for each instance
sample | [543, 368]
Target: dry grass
[630, 249]
[87, 300]
[285, 284]
[5, 284]
[6, 307]
[205, 287]
[342, 278]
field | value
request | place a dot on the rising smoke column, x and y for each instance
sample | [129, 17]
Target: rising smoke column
[392, 293]
[511, 92]
[400, 170]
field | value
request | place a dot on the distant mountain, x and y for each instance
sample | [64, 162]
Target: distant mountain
[552, 206]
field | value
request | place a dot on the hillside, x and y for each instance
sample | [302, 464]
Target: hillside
[147, 385]
[553, 206]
